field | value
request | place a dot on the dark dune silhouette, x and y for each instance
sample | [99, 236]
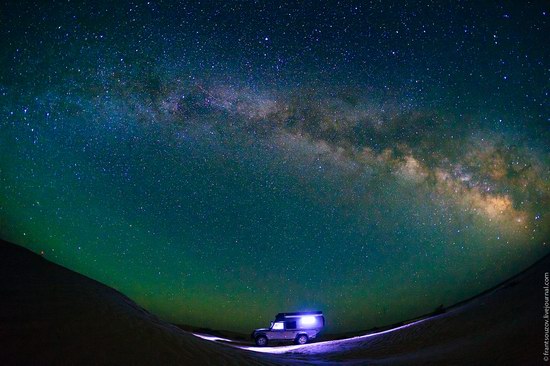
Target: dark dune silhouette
[50, 315]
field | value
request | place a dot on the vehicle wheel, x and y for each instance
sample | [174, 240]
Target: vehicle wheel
[261, 341]
[301, 339]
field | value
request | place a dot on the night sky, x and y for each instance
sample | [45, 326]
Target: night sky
[222, 162]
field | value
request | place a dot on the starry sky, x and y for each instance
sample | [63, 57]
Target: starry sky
[222, 162]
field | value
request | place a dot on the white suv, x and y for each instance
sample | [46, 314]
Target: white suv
[298, 327]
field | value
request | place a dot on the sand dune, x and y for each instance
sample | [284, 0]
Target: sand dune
[50, 315]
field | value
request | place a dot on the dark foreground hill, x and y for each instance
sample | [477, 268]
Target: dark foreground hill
[50, 315]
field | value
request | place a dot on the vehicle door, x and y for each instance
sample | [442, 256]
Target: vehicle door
[290, 329]
[277, 331]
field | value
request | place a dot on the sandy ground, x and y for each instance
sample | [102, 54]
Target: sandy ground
[52, 316]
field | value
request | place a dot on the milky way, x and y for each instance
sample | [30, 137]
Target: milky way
[220, 164]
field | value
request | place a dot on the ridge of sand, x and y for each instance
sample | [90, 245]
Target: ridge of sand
[50, 315]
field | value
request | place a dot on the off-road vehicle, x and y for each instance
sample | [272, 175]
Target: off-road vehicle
[298, 327]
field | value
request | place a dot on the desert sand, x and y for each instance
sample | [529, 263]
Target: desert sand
[50, 315]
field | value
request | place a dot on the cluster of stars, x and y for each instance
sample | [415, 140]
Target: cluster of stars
[259, 157]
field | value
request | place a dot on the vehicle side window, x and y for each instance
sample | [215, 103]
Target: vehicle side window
[290, 325]
[278, 326]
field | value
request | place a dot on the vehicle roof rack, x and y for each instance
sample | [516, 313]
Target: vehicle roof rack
[297, 314]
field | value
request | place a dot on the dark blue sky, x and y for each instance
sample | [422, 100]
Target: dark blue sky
[220, 163]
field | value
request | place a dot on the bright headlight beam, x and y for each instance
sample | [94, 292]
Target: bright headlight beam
[327, 346]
